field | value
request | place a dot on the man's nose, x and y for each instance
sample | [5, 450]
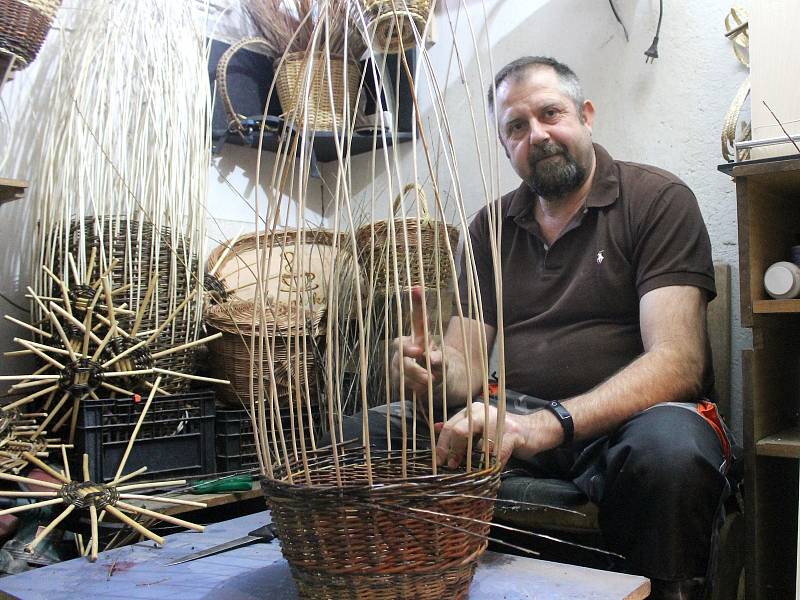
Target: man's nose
[537, 133]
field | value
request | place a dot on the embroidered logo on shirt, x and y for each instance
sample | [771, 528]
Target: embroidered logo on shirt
[600, 257]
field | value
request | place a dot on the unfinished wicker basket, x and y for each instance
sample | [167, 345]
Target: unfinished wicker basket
[391, 24]
[24, 25]
[420, 247]
[114, 235]
[414, 538]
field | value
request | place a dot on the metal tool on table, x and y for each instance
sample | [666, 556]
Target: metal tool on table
[263, 534]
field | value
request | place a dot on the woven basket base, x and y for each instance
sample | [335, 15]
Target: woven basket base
[453, 583]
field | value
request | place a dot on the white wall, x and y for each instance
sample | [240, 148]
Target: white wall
[669, 114]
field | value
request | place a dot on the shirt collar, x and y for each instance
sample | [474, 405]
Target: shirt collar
[604, 191]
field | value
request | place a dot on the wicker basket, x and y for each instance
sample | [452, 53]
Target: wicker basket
[290, 77]
[306, 99]
[378, 245]
[299, 263]
[230, 354]
[391, 23]
[416, 538]
[113, 236]
[24, 25]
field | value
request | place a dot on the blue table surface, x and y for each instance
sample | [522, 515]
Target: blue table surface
[259, 571]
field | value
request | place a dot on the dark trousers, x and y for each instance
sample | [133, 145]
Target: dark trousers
[659, 482]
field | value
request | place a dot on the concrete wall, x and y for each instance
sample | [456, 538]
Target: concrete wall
[668, 113]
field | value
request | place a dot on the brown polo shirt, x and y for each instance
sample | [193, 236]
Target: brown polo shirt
[571, 310]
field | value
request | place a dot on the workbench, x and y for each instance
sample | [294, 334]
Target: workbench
[140, 572]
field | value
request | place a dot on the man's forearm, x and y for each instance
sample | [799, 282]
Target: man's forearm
[661, 375]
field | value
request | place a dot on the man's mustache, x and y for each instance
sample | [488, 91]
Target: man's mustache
[545, 151]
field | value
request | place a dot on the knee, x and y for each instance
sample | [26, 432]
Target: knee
[676, 452]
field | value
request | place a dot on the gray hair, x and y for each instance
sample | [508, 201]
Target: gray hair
[570, 84]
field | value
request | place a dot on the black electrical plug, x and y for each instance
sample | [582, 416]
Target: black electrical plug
[652, 52]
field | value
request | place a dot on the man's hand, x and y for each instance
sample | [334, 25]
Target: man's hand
[451, 448]
[416, 352]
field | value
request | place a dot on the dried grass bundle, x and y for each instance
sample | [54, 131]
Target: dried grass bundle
[292, 26]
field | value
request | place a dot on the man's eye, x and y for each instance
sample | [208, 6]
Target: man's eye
[515, 127]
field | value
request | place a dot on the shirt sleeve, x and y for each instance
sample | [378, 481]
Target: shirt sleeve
[671, 243]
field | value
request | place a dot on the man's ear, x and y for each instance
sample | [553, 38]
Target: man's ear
[587, 113]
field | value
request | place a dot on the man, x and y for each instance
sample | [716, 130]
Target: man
[606, 275]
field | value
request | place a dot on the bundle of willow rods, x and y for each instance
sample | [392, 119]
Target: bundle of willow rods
[124, 166]
[315, 492]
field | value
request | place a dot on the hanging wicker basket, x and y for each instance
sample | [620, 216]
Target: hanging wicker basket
[24, 25]
[420, 246]
[417, 537]
[317, 91]
[391, 23]
[309, 99]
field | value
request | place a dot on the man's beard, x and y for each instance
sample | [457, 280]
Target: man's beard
[557, 177]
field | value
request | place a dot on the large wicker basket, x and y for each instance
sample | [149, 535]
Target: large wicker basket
[298, 262]
[24, 25]
[391, 23]
[409, 239]
[414, 538]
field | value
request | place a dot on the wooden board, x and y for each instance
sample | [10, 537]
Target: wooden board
[11, 189]
[210, 500]
[774, 72]
[259, 571]
[776, 306]
[719, 335]
[784, 444]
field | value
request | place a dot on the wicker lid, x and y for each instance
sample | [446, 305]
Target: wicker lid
[298, 265]
[238, 316]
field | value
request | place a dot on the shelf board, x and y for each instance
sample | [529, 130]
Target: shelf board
[11, 189]
[784, 444]
[324, 143]
[776, 306]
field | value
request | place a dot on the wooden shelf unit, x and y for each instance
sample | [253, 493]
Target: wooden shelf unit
[11, 189]
[768, 211]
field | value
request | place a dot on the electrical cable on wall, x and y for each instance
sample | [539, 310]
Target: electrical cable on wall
[619, 20]
[652, 52]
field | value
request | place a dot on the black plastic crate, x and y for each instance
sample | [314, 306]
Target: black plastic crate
[235, 443]
[176, 439]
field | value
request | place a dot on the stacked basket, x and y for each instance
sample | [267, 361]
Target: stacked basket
[317, 91]
[232, 356]
[297, 264]
[24, 25]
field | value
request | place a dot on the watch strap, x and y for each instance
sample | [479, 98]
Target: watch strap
[563, 416]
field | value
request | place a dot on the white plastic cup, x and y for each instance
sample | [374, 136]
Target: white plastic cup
[782, 280]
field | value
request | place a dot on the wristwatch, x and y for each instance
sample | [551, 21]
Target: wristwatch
[563, 416]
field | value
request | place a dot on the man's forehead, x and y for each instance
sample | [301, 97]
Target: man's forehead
[523, 94]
